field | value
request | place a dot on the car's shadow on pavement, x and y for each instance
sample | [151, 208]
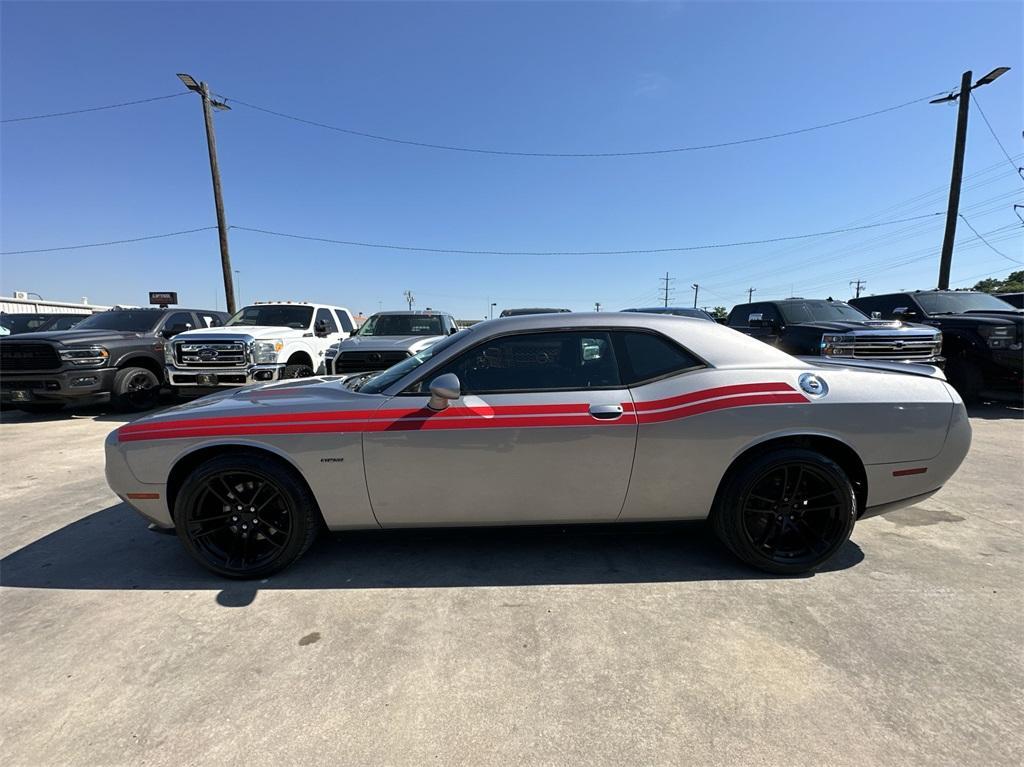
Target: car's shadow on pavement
[113, 549]
[996, 411]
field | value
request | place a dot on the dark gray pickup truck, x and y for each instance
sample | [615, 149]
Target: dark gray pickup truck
[116, 355]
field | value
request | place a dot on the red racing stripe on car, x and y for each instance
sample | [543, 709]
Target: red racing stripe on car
[465, 417]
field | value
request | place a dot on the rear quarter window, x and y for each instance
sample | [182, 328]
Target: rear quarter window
[650, 356]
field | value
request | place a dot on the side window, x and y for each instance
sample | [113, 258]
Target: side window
[324, 316]
[210, 320]
[178, 320]
[344, 322]
[535, 362]
[739, 314]
[647, 356]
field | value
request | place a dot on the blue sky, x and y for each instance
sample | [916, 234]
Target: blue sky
[523, 77]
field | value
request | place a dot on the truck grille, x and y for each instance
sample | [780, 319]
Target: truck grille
[894, 347]
[358, 362]
[23, 355]
[210, 354]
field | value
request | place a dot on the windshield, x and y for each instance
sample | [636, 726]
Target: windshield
[952, 303]
[402, 325]
[22, 323]
[384, 379]
[131, 321]
[820, 311]
[271, 316]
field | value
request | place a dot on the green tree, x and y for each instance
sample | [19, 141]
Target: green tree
[719, 313]
[1014, 283]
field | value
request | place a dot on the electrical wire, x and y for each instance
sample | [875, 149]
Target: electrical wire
[992, 131]
[109, 242]
[510, 153]
[94, 109]
[994, 250]
[635, 251]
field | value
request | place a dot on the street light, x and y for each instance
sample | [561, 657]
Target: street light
[953, 209]
[211, 145]
[492, 310]
[238, 285]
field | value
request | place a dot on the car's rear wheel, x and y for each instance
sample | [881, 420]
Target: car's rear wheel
[245, 516]
[136, 389]
[787, 511]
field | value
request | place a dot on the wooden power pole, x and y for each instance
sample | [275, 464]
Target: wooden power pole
[953, 209]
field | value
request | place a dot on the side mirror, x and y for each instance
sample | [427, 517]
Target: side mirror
[173, 330]
[755, 320]
[453, 331]
[320, 329]
[876, 315]
[443, 389]
[903, 313]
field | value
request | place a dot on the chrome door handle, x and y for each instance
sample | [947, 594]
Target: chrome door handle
[606, 412]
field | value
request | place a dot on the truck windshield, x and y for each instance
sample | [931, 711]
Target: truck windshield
[402, 325]
[130, 321]
[384, 379]
[820, 311]
[297, 317]
[954, 303]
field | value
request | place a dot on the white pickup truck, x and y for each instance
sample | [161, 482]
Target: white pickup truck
[263, 342]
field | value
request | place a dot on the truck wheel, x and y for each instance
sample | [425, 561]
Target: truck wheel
[135, 389]
[245, 516]
[965, 378]
[297, 371]
[787, 511]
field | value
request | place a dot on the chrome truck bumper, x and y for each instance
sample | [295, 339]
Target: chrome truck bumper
[217, 377]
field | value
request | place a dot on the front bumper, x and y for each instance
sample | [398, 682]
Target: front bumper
[57, 386]
[223, 377]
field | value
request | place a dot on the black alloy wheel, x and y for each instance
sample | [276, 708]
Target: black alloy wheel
[245, 516]
[136, 389]
[788, 511]
[297, 371]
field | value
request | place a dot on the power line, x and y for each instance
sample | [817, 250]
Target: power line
[93, 109]
[109, 242]
[992, 131]
[636, 153]
[993, 249]
[635, 251]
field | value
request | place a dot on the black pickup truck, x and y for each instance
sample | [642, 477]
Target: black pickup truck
[116, 354]
[981, 335]
[823, 327]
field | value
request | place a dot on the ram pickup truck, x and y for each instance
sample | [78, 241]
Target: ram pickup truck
[981, 335]
[387, 338]
[266, 341]
[114, 355]
[827, 328]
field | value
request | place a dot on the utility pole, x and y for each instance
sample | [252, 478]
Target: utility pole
[218, 200]
[696, 291]
[959, 147]
[667, 280]
[750, 294]
[597, 306]
[409, 298]
[858, 287]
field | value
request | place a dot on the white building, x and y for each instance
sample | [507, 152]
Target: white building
[20, 303]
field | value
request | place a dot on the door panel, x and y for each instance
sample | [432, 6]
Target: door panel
[502, 458]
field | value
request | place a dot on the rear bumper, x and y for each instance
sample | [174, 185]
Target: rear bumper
[56, 386]
[208, 378]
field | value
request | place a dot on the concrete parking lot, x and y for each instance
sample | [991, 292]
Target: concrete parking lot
[556, 646]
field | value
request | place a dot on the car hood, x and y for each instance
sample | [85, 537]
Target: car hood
[290, 397]
[239, 331]
[888, 327]
[973, 319]
[77, 337]
[412, 344]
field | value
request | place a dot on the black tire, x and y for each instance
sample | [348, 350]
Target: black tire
[135, 389]
[40, 408]
[274, 522]
[297, 371]
[965, 378]
[785, 512]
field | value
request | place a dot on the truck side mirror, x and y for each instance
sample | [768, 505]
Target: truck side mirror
[443, 389]
[173, 330]
[903, 312]
[320, 329]
[755, 320]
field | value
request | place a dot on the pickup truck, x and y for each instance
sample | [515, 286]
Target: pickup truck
[827, 328]
[387, 338]
[266, 341]
[981, 335]
[113, 355]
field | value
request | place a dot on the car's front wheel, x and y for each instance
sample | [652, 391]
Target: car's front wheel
[787, 511]
[136, 389]
[245, 515]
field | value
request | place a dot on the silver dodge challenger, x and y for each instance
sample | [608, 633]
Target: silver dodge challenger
[550, 419]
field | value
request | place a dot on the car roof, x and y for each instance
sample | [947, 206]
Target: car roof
[414, 313]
